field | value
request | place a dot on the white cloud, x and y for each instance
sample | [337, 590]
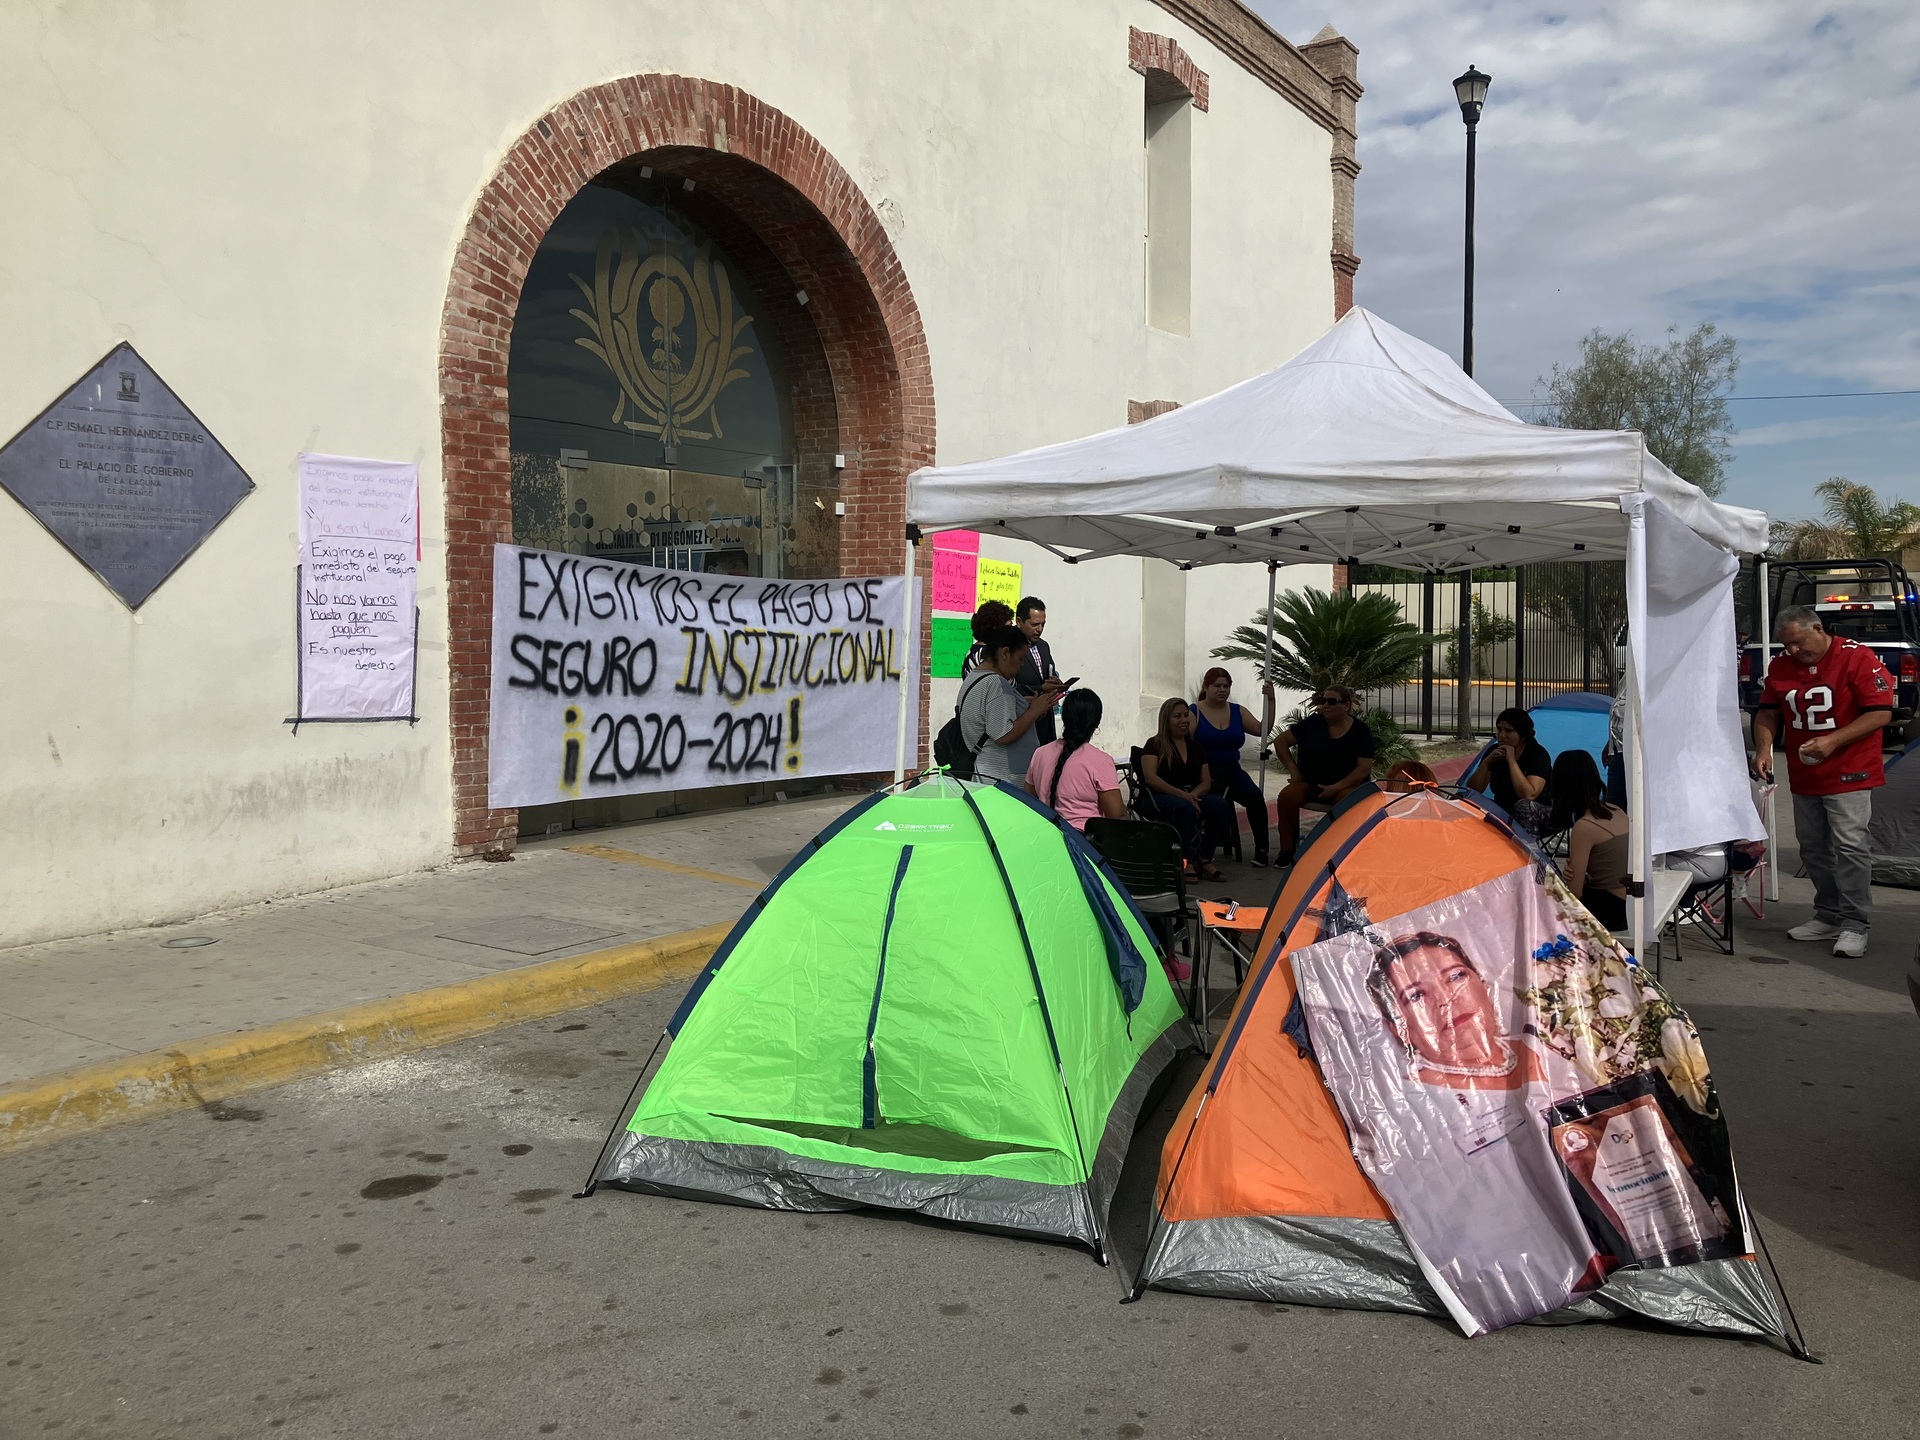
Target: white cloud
[1751, 162]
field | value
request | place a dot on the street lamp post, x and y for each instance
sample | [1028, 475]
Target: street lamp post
[1471, 91]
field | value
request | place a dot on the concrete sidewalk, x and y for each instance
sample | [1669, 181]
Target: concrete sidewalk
[86, 1001]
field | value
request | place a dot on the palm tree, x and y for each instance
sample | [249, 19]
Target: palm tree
[1360, 640]
[1857, 523]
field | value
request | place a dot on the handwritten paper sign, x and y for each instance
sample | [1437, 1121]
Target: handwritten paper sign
[619, 679]
[999, 580]
[952, 638]
[965, 542]
[359, 564]
[954, 580]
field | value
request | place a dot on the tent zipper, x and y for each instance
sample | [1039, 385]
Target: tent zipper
[869, 1085]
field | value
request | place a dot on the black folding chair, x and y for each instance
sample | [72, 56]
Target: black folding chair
[1132, 781]
[1144, 856]
[1708, 908]
[1134, 776]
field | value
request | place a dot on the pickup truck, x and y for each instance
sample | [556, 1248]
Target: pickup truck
[1871, 601]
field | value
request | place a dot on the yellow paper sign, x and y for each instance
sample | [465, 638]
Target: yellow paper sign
[999, 580]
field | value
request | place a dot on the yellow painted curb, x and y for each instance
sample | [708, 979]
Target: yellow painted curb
[218, 1067]
[653, 862]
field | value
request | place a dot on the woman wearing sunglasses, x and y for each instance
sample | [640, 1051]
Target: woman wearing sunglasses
[1329, 754]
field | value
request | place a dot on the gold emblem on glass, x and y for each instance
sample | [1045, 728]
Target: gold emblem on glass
[673, 378]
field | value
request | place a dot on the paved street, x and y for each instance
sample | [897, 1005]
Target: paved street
[392, 1251]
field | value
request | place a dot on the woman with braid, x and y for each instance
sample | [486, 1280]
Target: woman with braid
[1071, 775]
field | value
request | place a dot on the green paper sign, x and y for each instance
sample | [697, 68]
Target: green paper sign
[952, 638]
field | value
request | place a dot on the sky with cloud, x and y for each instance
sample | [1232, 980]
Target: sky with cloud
[1755, 163]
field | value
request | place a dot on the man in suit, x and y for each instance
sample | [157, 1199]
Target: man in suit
[1030, 617]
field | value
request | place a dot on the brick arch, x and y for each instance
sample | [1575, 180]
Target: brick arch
[789, 213]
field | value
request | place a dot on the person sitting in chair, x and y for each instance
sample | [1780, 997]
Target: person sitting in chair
[1329, 754]
[1515, 770]
[1221, 727]
[1176, 787]
[1597, 840]
[1075, 778]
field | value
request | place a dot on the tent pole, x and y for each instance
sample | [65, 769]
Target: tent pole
[906, 623]
[1639, 828]
[1770, 889]
[1266, 671]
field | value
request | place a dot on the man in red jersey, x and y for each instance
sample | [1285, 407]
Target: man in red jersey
[1836, 696]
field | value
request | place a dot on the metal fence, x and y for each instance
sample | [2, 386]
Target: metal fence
[1533, 631]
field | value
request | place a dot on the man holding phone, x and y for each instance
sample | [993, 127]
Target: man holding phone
[1837, 698]
[1037, 667]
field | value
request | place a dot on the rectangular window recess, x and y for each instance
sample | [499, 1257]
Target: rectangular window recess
[1169, 213]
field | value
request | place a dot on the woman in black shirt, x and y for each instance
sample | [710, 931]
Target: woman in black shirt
[1327, 756]
[1177, 788]
[1515, 771]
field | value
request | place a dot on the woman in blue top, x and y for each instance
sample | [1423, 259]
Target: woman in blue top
[1220, 728]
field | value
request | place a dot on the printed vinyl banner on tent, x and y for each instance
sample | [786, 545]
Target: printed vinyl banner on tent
[1534, 1111]
[617, 679]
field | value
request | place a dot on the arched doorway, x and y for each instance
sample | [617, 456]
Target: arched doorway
[842, 397]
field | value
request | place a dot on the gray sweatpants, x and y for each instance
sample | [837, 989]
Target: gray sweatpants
[1839, 861]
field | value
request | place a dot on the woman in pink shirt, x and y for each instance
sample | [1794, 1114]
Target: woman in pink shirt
[1072, 776]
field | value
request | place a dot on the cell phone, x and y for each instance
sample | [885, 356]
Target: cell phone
[1069, 684]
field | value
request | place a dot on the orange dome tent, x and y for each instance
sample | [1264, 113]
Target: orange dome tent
[1260, 1194]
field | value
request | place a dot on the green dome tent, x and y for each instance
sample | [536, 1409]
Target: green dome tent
[944, 1004]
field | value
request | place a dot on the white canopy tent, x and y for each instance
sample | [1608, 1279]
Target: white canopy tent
[1372, 447]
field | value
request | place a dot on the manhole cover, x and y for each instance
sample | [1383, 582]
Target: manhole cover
[189, 942]
[530, 934]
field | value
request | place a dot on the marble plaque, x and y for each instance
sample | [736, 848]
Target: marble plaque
[124, 475]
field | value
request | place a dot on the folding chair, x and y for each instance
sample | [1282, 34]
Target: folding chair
[1134, 782]
[1144, 856]
[1708, 907]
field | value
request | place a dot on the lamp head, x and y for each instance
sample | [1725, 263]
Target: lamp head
[1471, 91]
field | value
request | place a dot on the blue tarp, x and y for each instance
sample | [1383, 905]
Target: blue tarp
[1574, 721]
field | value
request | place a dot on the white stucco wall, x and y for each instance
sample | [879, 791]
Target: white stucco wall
[265, 201]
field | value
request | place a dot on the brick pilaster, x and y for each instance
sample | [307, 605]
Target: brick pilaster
[1338, 58]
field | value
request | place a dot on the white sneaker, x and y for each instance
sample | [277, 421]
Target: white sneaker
[1851, 945]
[1814, 930]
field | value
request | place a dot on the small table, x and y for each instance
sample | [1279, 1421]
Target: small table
[1238, 936]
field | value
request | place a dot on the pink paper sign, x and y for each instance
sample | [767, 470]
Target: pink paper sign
[965, 541]
[954, 580]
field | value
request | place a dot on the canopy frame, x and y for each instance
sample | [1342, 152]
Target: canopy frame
[1372, 447]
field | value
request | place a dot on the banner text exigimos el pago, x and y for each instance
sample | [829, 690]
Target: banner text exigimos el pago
[617, 679]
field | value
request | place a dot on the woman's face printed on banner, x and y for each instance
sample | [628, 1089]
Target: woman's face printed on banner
[1444, 1012]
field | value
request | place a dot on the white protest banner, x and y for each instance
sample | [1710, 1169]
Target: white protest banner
[618, 679]
[359, 562]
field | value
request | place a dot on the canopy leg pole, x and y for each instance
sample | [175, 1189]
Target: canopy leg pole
[1770, 889]
[1266, 672]
[909, 636]
[1639, 828]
